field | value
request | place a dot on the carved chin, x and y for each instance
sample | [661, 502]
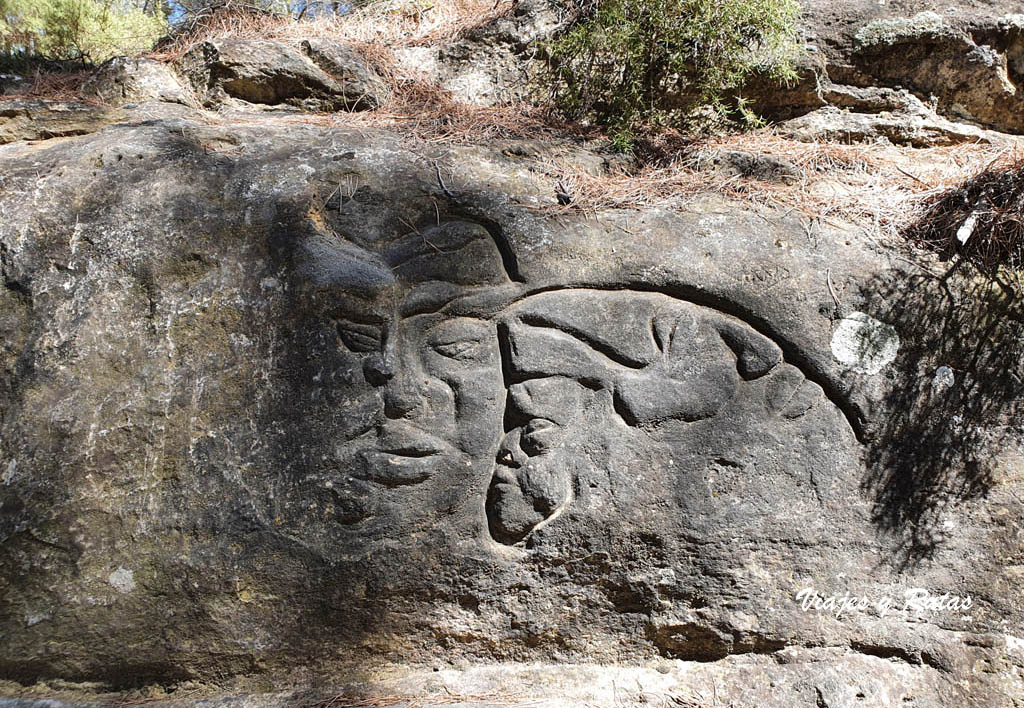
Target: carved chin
[511, 516]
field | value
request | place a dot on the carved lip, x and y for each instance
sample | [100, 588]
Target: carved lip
[395, 469]
[402, 440]
[405, 455]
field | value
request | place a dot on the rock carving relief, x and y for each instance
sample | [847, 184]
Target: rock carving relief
[660, 358]
[427, 395]
[466, 386]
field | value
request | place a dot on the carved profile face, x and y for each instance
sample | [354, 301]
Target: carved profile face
[612, 385]
[533, 475]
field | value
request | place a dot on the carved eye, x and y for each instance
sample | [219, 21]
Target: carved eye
[461, 339]
[359, 337]
[461, 350]
[541, 435]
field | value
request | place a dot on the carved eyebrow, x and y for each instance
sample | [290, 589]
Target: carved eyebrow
[621, 358]
[359, 317]
[454, 337]
[406, 251]
[370, 328]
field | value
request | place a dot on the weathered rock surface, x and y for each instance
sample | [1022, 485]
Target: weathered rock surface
[300, 411]
[910, 72]
[319, 75]
[124, 80]
[910, 126]
[926, 74]
[28, 119]
[274, 398]
[967, 63]
[34, 119]
[496, 63]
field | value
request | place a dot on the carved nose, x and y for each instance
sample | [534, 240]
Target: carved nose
[379, 369]
[510, 454]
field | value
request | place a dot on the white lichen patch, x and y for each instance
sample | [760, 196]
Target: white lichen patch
[9, 475]
[901, 28]
[122, 579]
[864, 344]
[1015, 20]
[944, 379]
[35, 618]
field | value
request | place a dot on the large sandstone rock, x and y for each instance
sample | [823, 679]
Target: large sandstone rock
[960, 58]
[936, 73]
[320, 75]
[971, 73]
[34, 119]
[494, 64]
[274, 398]
[124, 80]
[913, 125]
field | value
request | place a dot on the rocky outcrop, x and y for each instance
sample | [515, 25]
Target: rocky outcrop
[319, 75]
[912, 124]
[35, 119]
[961, 63]
[870, 72]
[124, 80]
[275, 396]
[291, 413]
[496, 63]
[26, 119]
[976, 80]
[922, 79]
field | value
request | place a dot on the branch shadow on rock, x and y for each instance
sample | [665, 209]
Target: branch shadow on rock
[954, 405]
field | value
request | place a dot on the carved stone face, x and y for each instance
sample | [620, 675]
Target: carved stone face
[441, 391]
[426, 395]
[613, 385]
[473, 407]
[532, 481]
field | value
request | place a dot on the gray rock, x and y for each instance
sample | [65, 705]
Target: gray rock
[962, 61]
[937, 58]
[967, 64]
[916, 128]
[963, 57]
[321, 75]
[11, 83]
[770, 168]
[275, 403]
[495, 63]
[124, 80]
[360, 84]
[34, 119]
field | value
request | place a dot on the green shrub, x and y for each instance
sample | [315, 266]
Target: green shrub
[630, 62]
[86, 30]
